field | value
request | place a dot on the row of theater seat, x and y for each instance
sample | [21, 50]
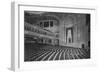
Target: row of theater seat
[43, 52]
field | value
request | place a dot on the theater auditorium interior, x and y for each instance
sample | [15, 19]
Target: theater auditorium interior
[50, 36]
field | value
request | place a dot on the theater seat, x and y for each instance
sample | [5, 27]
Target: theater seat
[40, 52]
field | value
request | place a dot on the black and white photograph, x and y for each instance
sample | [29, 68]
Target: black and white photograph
[51, 36]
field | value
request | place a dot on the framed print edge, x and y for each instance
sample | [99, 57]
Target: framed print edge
[17, 53]
[14, 37]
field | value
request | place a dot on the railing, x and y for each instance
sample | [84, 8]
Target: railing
[38, 30]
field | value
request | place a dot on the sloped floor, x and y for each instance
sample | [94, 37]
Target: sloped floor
[43, 52]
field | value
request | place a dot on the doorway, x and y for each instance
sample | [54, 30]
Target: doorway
[69, 35]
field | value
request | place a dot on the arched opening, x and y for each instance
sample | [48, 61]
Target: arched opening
[69, 35]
